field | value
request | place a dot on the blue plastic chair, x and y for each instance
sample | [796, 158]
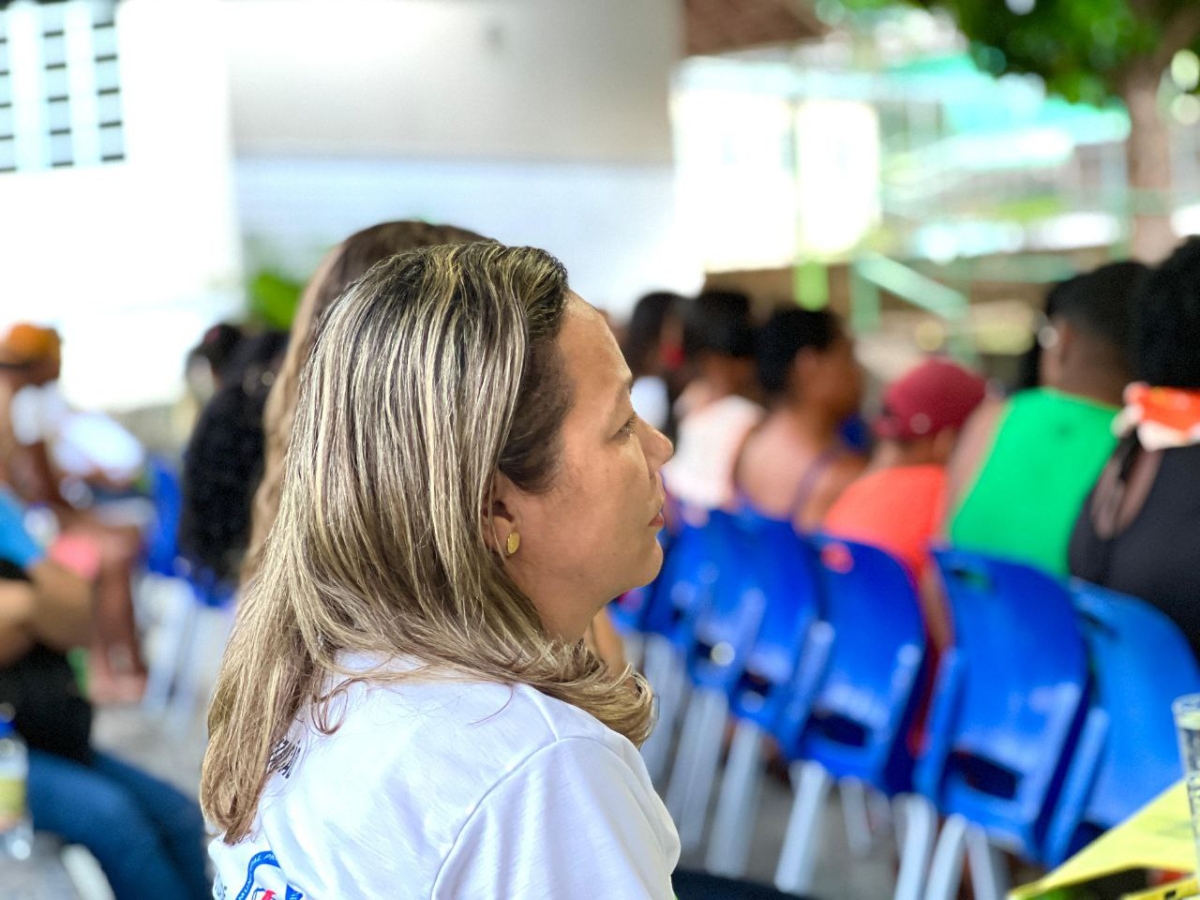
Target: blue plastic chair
[785, 660]
[722, 632]
[1010, 699]
[857, 723]
[790, 646]
[684, 586]
[727, 627]
[1127, 755]
[855, 727]
[162, 546]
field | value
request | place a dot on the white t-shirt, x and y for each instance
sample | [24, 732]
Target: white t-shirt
[443, 789]
[651, 400]
[700, 473]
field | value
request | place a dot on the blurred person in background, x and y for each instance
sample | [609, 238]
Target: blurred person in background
[342, 266]
[653, 348]
[147, 837]
[717, 408]
[223, 461]
[63, 460]
[898, 502]
[406, 707]
[1135, 529]
[1025, 465]
[206, 361]
[794, 465]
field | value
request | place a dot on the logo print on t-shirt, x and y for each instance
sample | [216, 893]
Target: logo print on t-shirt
[254, 889]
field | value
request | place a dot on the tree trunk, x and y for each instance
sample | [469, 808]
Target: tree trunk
[1148, 154]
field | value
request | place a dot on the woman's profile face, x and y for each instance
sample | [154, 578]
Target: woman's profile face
[593, 535]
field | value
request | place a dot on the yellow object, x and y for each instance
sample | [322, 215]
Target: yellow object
[513, 544]
[25, 343]
[1158, 836]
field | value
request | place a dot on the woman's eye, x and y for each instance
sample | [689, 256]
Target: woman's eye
[627, 428]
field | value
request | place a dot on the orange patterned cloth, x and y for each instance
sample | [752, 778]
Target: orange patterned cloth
[1162, 417]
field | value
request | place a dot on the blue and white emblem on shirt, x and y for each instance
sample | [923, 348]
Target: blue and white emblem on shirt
[269, 884]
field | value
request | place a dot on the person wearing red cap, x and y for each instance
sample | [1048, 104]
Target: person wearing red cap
[897, 503]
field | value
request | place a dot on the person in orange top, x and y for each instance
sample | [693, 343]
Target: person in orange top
[897, 503]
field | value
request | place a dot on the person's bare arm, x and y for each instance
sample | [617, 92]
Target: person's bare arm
[17, 603]
[840, 474]
[62, 614]
[969, 455]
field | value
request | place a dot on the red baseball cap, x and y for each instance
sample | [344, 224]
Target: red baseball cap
[936, 395]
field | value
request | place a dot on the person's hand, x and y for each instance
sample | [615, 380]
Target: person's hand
[17, 603]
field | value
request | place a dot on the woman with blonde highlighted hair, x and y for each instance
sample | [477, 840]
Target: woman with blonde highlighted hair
[406, 707]
[341, 267]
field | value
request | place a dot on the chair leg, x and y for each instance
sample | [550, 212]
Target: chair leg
[798, 859]
[989, 868]
[697, 760]
[857, 816]
[945, 872]
[741, 789]
[199, 664]
[176, 624]
[662, 670]
[916, 828]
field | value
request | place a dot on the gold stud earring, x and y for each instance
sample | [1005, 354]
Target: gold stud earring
[513, 544]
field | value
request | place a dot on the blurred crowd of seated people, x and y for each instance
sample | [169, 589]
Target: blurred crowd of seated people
[1086, 469]
[1089, 469]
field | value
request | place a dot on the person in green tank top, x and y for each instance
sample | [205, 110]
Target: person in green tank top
[1025, 465]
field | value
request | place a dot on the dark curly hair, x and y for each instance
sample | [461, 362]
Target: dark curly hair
[223, 461]
[1167, 321]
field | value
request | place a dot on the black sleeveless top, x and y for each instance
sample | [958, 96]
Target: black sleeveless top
[1157, 557]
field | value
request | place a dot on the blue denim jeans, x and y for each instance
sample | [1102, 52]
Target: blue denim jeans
[147, 836]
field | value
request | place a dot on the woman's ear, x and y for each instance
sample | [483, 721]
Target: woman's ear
[499, 514]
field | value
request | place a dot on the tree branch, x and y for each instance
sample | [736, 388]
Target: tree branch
[1179, 31]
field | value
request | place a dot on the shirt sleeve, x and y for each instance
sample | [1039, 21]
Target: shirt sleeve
[26, 413]
[16, 544]
[572, 821]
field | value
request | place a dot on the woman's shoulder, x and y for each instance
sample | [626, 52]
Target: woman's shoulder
[470, 733]
[413, 760]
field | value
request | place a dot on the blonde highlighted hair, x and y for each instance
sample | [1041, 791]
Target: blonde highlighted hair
[438, 369]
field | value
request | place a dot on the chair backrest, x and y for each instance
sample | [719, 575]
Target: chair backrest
[685, 584]
[1010, 699]
[725, 628]
[778, 567]
[162, 546]
[864, 705]
[1140, 662]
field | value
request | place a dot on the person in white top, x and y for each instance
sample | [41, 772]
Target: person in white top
[406, 707]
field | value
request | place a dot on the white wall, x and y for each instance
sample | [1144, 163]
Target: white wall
[542, 122]
[534, 121]
[614, 227]
[490, 79]
[131, 261]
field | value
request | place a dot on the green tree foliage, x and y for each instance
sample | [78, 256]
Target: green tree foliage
[1083, 49]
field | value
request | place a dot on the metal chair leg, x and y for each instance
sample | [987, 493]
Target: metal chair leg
[989, 868]
[697, 761]
[945, 872]
[798, 860]
[916, 830]
[663, 670]
[741, 789]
